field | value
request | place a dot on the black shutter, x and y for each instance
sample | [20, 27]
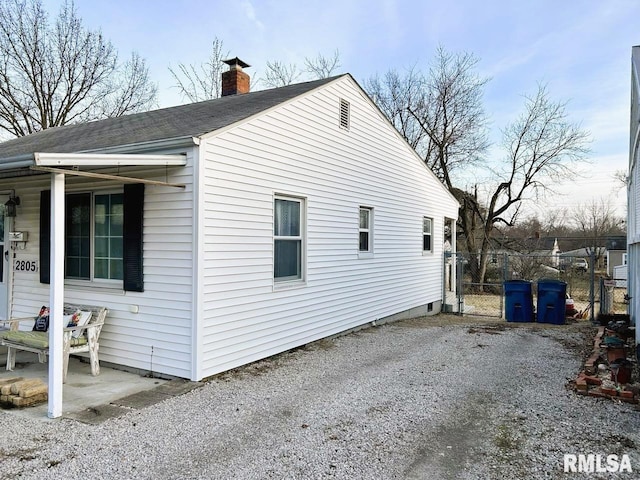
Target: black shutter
[132, 237]
[45, 235]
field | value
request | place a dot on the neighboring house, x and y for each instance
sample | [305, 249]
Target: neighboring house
[528, 257]
[222, 232]
[544, 247]
[616, 253]
[633, 195]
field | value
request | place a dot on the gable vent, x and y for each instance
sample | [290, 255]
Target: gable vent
[344, 114]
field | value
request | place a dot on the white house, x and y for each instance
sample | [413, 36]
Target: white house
[633, 195]
[222, 232]
[616, 254]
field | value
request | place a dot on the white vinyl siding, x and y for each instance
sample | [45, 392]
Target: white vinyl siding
[299, 148]
[633, 205]
[158, 337]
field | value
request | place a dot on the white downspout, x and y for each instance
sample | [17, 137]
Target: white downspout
[56, 295]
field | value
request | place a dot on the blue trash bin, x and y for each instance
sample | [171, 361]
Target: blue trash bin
[518, 301]
[552, 301]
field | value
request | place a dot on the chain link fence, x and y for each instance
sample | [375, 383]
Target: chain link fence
[589, 290]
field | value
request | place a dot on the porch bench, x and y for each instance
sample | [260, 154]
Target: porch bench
[38, 342]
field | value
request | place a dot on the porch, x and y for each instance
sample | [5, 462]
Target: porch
[34, 266]
[92, 399]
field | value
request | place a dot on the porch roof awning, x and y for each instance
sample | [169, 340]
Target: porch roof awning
[70, 163]
[105, 160]
[89, 160]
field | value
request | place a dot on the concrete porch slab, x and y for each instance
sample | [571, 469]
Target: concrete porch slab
[94, 399]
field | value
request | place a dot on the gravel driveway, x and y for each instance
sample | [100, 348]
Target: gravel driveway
[424, 398]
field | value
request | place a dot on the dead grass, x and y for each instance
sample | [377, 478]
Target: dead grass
[506, 439]
[446, 319]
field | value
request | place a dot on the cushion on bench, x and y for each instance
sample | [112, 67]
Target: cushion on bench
[37, 339]
[78, 319]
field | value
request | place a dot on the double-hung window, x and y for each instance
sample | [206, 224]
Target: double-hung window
[94, 236]
[103, 237]
[365, 230]
[288, 245]
[427, 234]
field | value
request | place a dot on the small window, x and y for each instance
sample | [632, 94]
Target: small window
[365, 230]
[344, 114]
[288, 239]
[427, 234]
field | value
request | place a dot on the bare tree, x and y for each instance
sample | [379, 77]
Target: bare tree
[440, 114]
[621, 179]
[451, 114]
[397, 94]
[449, 130]
[52, 74]
[280, 74]
[595, 220]
[541, 147]
[202, 82]
[321, 66]
[135, 90]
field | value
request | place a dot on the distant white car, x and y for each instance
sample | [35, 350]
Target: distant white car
[580, 265]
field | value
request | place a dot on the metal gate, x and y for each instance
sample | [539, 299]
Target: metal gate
[613, 298]
[465, 293]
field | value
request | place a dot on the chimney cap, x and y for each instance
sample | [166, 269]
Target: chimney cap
[236, 62]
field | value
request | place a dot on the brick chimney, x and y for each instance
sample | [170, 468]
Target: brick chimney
[234, 80]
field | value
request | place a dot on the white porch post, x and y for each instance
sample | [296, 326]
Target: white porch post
[56, 295]
[452, 229]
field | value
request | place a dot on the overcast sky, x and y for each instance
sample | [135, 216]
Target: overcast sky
[580, 48]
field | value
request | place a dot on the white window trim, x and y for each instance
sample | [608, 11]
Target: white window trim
[297, 282]
[366, 253]
[427, 252]
[91, 285]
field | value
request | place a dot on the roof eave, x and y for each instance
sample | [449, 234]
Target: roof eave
[150, 146]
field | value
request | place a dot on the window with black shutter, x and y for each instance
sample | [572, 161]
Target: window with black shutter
[103, 237]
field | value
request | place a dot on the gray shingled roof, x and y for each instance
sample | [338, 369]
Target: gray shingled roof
[190, 120]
